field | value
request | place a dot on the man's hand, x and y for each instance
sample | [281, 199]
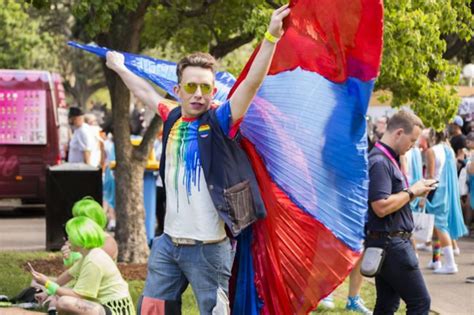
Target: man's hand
[422, 203]
[276, 23]
[246, 91]
[138, 86]
[423, 187]
[115, 61]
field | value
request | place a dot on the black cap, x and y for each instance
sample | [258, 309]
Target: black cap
[75, 111]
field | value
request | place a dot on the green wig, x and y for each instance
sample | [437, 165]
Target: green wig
[85, 233]
[88, 207]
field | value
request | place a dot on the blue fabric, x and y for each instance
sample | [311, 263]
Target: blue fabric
[109, 179]
[416, 170]
[314, 144]
[161, 72]
[446, 204]
[246, 300]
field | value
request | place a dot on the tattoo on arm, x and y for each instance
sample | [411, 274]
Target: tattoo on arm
[85, 306]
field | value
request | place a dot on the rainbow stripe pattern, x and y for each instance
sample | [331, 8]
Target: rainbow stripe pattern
[183, 146]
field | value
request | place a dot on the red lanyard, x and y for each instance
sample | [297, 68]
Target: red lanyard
[392, 159]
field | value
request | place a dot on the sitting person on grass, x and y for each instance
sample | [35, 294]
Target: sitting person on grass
[99, 287]
[91, 209]
[88, 207]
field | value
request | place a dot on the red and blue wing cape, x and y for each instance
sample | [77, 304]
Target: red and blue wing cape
[306, 138]
[305, 135]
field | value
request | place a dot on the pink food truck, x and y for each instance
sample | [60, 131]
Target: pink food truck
[33, 133]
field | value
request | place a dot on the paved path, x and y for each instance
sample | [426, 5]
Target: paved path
[450, 295]
[23, 231]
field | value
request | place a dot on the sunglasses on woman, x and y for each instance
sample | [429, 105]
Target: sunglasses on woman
[191, 88]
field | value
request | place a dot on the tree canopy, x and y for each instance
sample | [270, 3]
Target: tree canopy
[413, 67]
[23, 44]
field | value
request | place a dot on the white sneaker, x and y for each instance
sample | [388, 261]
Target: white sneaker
[327, 302]
[456, 251]
[424, 248]
[434, 265]
[446, 270]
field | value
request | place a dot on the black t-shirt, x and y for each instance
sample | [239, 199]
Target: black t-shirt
[386, 179]
[458, 142]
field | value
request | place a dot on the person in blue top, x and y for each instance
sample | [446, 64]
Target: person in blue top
[390, 220]
[207, 177]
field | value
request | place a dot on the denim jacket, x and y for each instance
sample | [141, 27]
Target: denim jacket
[229, 176]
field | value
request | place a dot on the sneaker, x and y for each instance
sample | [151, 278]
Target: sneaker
[434, 265]
[446, 270]
[456, 251]
[356, 304]
[470, 280]
[28, 305]
[327, 302]
[424, 248]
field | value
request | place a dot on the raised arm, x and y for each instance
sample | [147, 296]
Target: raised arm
[137, 85]
[246, 91]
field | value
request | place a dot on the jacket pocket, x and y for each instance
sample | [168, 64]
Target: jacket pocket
[241, 209]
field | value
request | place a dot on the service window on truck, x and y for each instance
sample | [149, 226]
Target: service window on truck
[23, 117]
[29, 133]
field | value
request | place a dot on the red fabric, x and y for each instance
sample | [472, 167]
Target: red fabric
[335, 38]
[151, 306]
[297, 260]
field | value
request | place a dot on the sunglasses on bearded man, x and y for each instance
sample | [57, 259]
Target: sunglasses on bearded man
[191, 88]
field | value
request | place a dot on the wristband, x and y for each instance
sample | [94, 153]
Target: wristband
[272, 39]
[51, 287]
[409, 192]
[73, 257]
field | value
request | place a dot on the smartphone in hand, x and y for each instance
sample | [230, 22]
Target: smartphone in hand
[31, 267]
[435, 184]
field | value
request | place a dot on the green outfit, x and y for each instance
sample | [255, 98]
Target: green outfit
[98, 279]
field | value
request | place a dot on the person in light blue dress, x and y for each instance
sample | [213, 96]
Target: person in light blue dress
[109, 182]
[444, 203]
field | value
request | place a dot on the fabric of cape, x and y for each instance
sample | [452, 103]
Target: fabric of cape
[305, 135]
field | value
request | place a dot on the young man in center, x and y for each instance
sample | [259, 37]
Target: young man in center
[208, 180]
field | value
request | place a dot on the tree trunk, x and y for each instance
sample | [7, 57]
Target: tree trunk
[129, 208]
[130, 229]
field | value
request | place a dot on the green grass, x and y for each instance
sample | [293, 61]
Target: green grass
[13, 279]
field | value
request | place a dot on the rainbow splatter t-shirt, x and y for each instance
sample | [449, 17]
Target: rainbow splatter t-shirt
[190, 212]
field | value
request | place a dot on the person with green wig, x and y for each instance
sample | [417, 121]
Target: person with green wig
[90, 208]
[85, 207]
[99, 287]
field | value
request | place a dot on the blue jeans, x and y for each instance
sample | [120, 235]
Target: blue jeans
[400, 277]
[171, 268]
